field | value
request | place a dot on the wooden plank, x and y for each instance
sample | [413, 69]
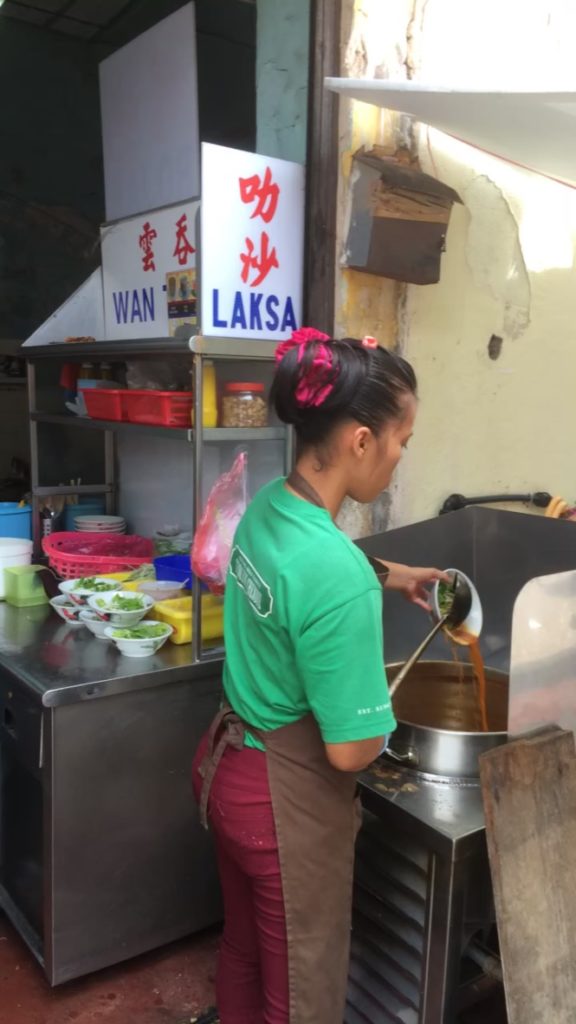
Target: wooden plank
[529, 791]
[393, 203]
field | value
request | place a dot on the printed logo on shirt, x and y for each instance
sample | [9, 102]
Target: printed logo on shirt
[375, 710]
[249, 579]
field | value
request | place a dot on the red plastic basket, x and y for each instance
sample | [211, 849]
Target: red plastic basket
[104, 403]
[73, 555]
[162, 408]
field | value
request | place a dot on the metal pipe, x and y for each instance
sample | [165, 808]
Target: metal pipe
[455, 502]
[197, 446]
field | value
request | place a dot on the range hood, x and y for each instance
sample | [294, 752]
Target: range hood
[536, 130]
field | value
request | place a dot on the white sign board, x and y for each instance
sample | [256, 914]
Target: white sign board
[149, 105]
[149, 273]
[252, 244]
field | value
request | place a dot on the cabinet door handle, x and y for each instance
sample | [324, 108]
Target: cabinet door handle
[41, 744]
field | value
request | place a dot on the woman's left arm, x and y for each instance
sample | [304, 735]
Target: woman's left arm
[412, 582]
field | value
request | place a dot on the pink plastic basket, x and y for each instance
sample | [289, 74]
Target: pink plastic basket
[73, 555]
[163, 408]
[104, 403]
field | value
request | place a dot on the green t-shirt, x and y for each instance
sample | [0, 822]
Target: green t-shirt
[303, 623]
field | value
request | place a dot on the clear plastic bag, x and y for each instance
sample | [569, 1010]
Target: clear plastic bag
[212, 544]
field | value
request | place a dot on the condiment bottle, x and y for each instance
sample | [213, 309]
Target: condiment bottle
[209, 399]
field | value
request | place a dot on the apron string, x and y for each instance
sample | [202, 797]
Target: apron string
[232, 735]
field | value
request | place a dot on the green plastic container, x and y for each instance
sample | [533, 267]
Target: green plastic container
[24, 588]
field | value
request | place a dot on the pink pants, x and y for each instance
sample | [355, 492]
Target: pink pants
[252, 977]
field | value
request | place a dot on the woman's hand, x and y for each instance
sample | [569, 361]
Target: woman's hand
[413, 582]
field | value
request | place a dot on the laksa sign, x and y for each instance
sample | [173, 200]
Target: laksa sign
[252, 234]
[149, 273]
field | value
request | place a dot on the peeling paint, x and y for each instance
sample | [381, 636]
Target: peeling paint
[494, 253]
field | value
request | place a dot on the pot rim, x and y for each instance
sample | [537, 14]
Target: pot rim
[493, 674]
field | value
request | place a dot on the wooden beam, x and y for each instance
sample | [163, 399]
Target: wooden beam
[322, 166]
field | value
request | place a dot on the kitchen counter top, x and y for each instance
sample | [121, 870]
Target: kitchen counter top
[60, 664]
[450, 816]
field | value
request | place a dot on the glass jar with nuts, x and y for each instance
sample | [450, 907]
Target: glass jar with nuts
[244, 405]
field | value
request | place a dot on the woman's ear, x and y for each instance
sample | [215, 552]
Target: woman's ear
[360, 440]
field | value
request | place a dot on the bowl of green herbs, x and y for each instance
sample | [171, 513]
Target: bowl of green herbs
[121, 608]
[140, 641]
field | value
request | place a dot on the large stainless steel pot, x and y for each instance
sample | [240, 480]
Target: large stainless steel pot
[437, 712]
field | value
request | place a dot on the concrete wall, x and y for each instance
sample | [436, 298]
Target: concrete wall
[282, 78]
[51, 185]
[50, 173]
[485, 424]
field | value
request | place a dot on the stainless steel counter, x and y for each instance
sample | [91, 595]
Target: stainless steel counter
[60, 664]
[102, 855]
[449, 817]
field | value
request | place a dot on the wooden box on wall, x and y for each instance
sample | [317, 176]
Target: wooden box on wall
[398, 221]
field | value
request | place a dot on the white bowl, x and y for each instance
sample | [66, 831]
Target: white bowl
[103, 603]
[67, 610]
[73, 591]
[161, 590]
[139, 647]
[94, 623]
[472, 625]
[99, 524]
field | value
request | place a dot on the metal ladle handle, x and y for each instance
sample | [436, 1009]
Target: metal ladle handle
[399, 678]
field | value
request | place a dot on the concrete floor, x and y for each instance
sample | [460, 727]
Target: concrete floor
[170, 986]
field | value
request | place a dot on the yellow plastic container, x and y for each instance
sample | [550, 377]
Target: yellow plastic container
[209, 398]
[178, 614]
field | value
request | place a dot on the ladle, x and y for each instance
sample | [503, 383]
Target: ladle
[454, 617]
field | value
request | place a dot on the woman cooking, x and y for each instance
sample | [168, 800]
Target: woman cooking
[307, 702]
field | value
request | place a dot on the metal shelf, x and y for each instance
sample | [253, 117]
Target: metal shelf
[196, 350]
[115, 426]
[209, 434]
[243, 433]
[115, 351]
[119, 351]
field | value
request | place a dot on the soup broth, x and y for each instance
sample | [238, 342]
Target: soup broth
[461, 638]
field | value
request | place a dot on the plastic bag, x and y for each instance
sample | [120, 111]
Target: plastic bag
[212, 544]
[158, 375]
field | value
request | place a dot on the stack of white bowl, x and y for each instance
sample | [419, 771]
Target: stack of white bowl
[100, 524]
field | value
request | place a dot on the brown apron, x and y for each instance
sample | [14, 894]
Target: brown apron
[317, 819]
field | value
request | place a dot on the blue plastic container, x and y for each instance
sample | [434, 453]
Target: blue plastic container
[175, 567]
[15, 520]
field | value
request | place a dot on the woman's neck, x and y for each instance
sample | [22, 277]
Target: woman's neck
[326, 482]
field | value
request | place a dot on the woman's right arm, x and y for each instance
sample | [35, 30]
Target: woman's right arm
[354, 756]
[341, 662]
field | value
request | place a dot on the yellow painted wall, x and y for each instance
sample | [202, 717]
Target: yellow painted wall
[484, 425]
